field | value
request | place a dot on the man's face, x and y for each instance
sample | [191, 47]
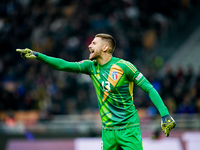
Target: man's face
[95, 48]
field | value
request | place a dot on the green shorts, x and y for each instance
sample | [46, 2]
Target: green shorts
[123, 139]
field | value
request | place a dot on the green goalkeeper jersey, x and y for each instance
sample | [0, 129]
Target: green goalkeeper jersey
[113, 83]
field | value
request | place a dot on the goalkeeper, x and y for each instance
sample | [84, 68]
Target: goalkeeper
[113, 79]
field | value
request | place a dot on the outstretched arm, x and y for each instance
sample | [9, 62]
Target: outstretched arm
[56, 63]
[59, 64]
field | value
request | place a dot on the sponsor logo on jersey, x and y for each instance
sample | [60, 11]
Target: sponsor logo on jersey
[139, 77]
[114, 75]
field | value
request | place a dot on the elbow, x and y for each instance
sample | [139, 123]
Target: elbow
[151, 89]
[58, 67]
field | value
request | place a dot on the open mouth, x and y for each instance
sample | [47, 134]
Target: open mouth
[91, 51]
[91, 57]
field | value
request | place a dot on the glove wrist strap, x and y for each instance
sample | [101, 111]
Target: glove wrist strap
[35, 53]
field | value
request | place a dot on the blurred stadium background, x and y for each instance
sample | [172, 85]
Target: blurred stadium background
[41, 108]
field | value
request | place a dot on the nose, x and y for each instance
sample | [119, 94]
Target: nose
[89, 46]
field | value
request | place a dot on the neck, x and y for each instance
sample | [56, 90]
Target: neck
[104, 59]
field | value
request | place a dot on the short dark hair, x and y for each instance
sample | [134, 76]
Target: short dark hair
[108, 38]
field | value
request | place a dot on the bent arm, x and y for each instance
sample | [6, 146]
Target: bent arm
[134, 75]
[147, 87]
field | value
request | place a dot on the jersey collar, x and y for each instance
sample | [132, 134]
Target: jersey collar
[106, 64]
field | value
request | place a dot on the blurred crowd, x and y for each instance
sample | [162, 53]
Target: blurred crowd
[64, 28]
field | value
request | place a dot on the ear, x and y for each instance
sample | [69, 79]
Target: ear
[105, 48]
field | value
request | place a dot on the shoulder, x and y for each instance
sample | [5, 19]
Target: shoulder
[126, 65]
[85, 64]
[123, 62]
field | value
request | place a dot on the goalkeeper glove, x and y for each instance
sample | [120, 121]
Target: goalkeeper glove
[27, 53]
[167, 124]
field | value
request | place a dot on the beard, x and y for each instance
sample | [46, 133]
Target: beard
[94, 55]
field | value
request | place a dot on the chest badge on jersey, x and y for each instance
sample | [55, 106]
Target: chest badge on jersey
[114, 75]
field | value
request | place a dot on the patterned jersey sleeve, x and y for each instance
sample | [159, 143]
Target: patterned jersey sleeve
[133, 74]
[60, 64]
[137, 77]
